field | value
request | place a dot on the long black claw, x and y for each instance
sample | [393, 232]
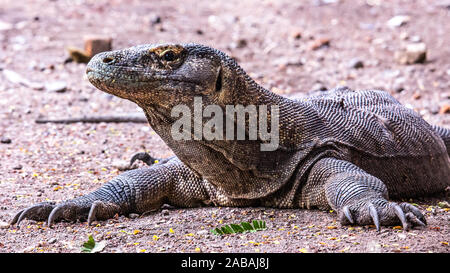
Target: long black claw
[348, 214]
[54, 215]
[93, 212]
[37, 212]
[399, 212]
[414, 219]
[411, 208]
[144, 157]
[374, 214]
[16, 217]
[25, 213]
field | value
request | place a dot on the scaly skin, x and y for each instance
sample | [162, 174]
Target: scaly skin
[342, 149]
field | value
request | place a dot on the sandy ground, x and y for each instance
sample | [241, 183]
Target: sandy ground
[274, 41]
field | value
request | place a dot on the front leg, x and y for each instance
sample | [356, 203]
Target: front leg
[358, 197]
[136, 191]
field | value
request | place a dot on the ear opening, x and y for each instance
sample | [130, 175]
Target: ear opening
[219, 80]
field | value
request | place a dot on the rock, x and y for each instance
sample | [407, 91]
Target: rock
[77, 55]
[14, 77]
[202, 232]
[398, 85]
[398, 21]
[283, 62]
[325, 2]
[445, 4]
[398, 88]
[404, 35]
[5, 140]
[92, 45]
[52, 240]
[28, 249]
[4, 225]
[155, 19]
[133, 215]
[366, 26]
[434, 109]
[412, 53]
[445, 109]
[240, 43]
[356, 63]
[5, 26]
[415, 39]
[318, 87]
[165, 212]
[320, 43]
[58, 87]
[17, 167]
[19, 79]
[296, 34]
[96, 44]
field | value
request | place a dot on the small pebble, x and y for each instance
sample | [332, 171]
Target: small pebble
[319, 87]
[445, 109]
[320, 43]
[165, 212]
[133, 215]
[58, 87]
[96, 44]
[4, 225]
[412, 53]
[241, 43]
[356, 63]
[398, 21]
[155, 20]
[52, 241]
[5, 140]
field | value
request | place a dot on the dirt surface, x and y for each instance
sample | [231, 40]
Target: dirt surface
[290, 47]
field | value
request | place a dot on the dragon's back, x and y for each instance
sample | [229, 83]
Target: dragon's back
[385, 138]
[374, 122]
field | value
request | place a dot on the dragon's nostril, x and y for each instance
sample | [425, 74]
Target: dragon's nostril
[108, 60]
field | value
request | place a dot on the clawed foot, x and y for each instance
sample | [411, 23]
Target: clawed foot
[68, 211]
[144, 157]
[379, 212]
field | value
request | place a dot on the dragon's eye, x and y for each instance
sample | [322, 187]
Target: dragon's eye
[169, 56]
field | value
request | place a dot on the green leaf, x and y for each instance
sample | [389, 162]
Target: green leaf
[237, 228]
[247, 226]
[263, 225]
[227, 230]
[216, 231]
[243, 227]
[91, 246]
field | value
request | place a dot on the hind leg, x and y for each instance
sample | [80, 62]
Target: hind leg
[444, 133]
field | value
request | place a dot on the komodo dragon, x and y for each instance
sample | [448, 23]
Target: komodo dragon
[351, 151]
